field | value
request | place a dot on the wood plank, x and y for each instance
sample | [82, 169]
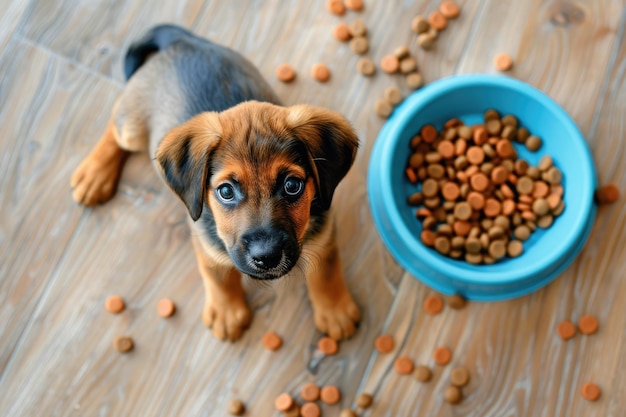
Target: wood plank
[11, 17]
[42, 126]
[97, 33]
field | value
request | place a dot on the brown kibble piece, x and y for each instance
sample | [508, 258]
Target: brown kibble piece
[403, 365]
[383, 108]
[310, 410]
[540, 207]
[453, 395]
[341, 32]
[366, 66]
[123, 343]
[408, 65]
[607, 194]
[428, 133]
[428, 237]
[423, 373]
[497, 249]
[310, 392]
[414, 80]
[364, 401]
[456, 301]
[384, 343]
[271, 341]
[524, 185]
[459, 377]
[442, 355]
[514, 248]
[463, 211]
[449, 9]
[503, 62]
[590, 391]
[327, 345]
[359, 45]
[320, 72]
[393, 95]
[437, 20]
[402, 52]
[283, 402]
[390, 64]
[166, 307]
[330, 394]
[420, 25]
[347, 412]
[433, 304]
[442, 243]
[426, 40]
[356, 5]
[588, 325]
[285, 73]
[566, 330]
[236, 407]
[357, 28]
[114, 304]
[336, 7]
[533, 143]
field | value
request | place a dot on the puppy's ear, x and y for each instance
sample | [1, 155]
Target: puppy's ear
[331, 142]
[183, 156]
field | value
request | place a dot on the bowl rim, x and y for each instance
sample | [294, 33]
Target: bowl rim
[390, 135]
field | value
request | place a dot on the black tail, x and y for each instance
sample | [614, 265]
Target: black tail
[156, 39]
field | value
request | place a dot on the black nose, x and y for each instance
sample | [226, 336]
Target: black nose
[264, 247]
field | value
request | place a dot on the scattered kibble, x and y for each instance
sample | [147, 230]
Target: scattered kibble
[271, 341]
[404, 365]
[330, 394]
[459, 377]
[341, 32]
[285, 73]
[364, 400]
[607, 194]
[320, 72]
[327, 345]
[588, 325]
[114, 304]
[366, 66]
[423, 373]
[283, 402]
[566, 330]
[236, 407]
[442, 355]
[310, 410]
[166, 307]
[336, 7]
[123, 344]
[456, 301]
[384, 343]
[433, 304]
[310, 392]
[590, 391]
[503, 62]
[453, 395]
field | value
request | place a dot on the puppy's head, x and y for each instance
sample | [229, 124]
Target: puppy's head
[254, 174]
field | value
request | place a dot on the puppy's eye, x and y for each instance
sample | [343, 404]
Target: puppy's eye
[226, 192]
[293, 186]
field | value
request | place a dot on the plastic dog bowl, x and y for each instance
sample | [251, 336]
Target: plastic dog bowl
[548, 252]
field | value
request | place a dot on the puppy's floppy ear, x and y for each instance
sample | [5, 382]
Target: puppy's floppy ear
[331, 142]
[183, 156]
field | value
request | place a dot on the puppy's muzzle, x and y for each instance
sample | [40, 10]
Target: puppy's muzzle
[268, 252]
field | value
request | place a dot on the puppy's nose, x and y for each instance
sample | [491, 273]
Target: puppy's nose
[265, 249]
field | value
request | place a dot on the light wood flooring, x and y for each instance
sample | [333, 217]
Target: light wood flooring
[60, 72]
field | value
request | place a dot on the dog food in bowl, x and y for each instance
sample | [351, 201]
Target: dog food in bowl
[477, 200]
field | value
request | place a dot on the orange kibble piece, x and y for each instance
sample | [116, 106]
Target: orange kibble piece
[505, 149]
[389, 64]
[328, 345]
[310, 392]
[166, 307]
[437, 20]
[428, 133]
[433, 304]
[271, 341]
[503, 62]
[404, 365]
[410, 174]
[449, 9]
[428, 237]
[479, 181]
[588, 325]
[356, 5]
[499, 175]
[607, 194]
[461, 227]
[283, 402]
[508, 207]
[320, 72]
[341, 32]
[310, 410]
[336, 7]
[590, 391]
[450, 191]
[114, 304]
[480, 135]
[384, 343]
[330, 394]
[566, 330]
[442, 355]
[446, 149]
[476, 200]
[285, 73]
[492, 207]
[475, 155]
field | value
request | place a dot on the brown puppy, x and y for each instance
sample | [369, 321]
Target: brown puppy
[257, 178]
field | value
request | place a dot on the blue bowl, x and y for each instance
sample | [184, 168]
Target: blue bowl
[548, 252]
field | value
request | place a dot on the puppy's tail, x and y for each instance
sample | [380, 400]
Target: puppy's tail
[156, 39]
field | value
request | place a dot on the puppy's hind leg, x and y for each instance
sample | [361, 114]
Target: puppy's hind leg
[96, 178]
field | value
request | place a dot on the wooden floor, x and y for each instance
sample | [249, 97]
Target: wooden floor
[60, 72]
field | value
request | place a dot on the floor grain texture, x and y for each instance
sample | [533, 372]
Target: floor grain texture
[60, 72]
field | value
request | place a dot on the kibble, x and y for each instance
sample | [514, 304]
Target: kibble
[366, 66]
[364, 401]
[271, 341]
[442, 355]
[357, 28]
[123, 344]
[283, 402]
[433, 304]
[320, 72]
[566, 330]
[384, 343]
[426, 40]
[359, 45]
[341, 32]
[408, 65]
[393, 95]
[336, 7]
[453, 395]
[423, 373]
[607, 194]
[328, 346]
[114, 304]
[403, 365]
[459, 377]
[456, 301]
[285, 73]
[166, 307]
[390, 64]
[330, 394]
[437, 20]
[347, 412]
[236, 407]
[588, 325]
[383, 109]
[420, 25]
[590, 391]
[503, 62]
[310, 410]
[310, 392]
[356, 5]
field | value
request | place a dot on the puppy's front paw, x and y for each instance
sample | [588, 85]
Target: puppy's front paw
[227, 319]
[94, 181]
[337, 317]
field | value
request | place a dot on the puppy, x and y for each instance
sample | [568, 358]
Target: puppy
[257, 178]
